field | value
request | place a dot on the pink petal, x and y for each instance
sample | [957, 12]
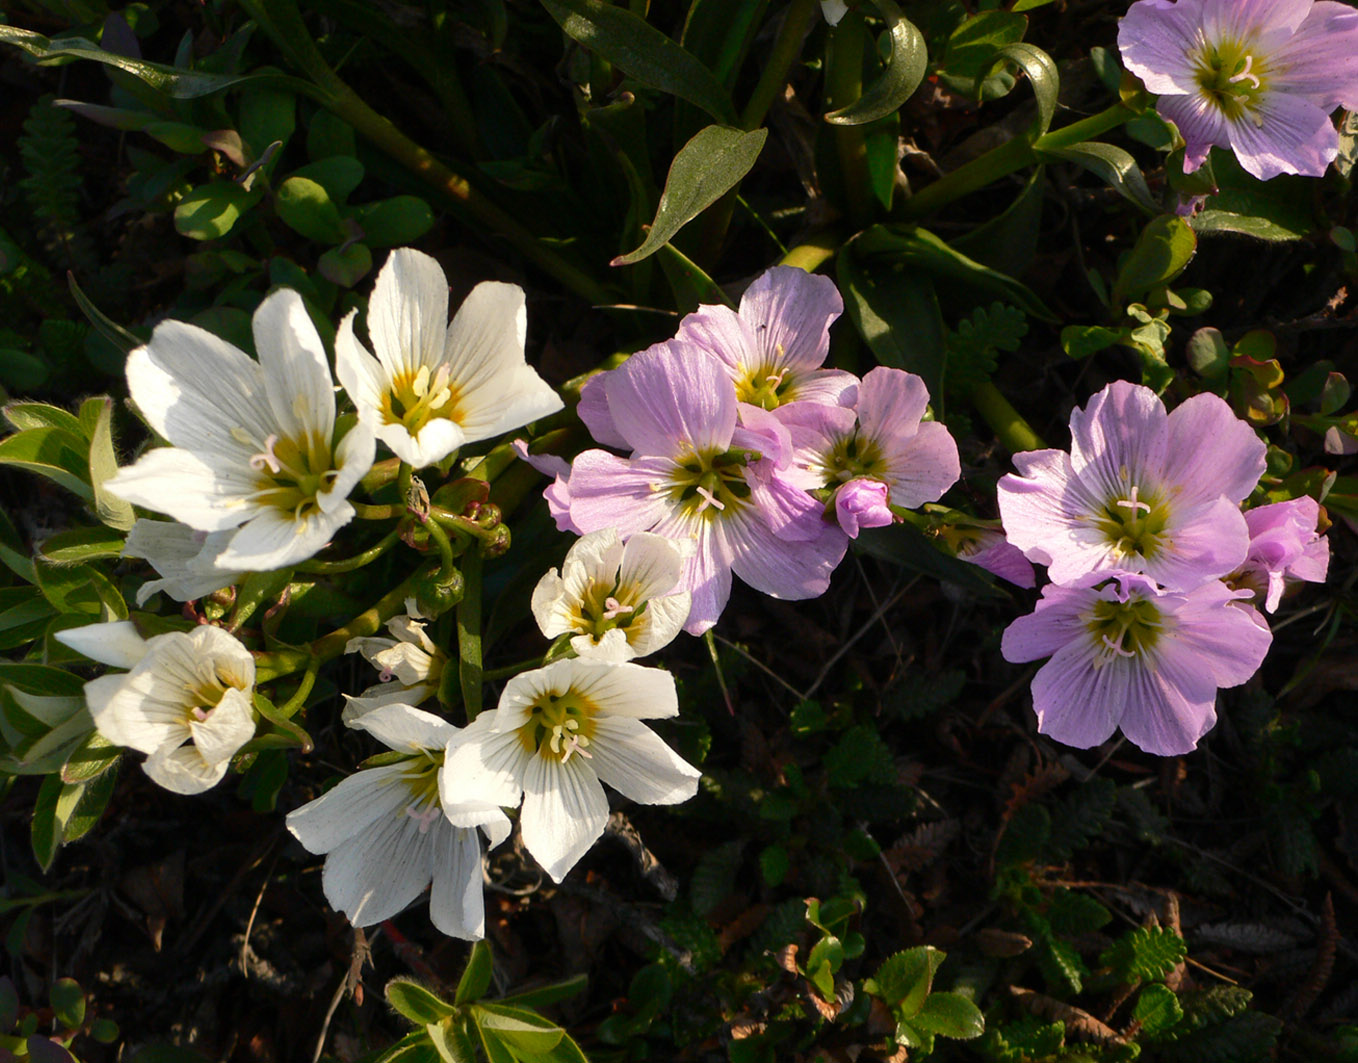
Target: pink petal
[1201, 123]
[790, 312]
[862, 503]
[1321, 60]
[609, 491]
[1157, 41]
[1212, 452]
[1293, 135]
[1118, 439]
[1077, 701]
[921, 467]
[671, 399]
[593, 410]
[891, 403]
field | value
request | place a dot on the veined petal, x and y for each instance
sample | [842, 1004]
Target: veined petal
[707, 571]
[1211, 451]
[651, 564]
[564, 812]
[1157, 40]
[1056, 621]
[1046, 512]
[1078, 699]
[891, 403]
[116, 644]
[271, 540]
[593, 410]
[352, 459]
[787, 568]
[1269, 21]
[1320, 60]
[229, 725]
[350, 807]
[182, 770]
[1170, 707]
[1217, 639]
[436, 439]
[790, 312]
[379, 870]
[671, 399]
[1201, 123]
[297, 381]
[920, 468]
[1289, 134]
[208, 497]
[482, 766]
[1210, 539]
[408, 313]
[406, 729]
[632, 759]
[1119, 438]
[456, 904]
[359, 371]
[608, 491]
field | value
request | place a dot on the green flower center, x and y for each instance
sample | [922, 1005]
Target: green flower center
[1134, 524]
[416, 398]
[292, 473]
[1232, 77]
[766, 386]
[207, 695]
[1125, 629]
[605, 606]
[712, 483]
[853, 456]
[559, 726]
[422, 779]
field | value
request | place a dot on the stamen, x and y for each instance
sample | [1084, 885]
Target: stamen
[1133, 503]
[424, 818]
[708, 499]
[1116, 647]
[266, 458]
[775, 380]
[420, 385]
[1245, 74]
[199, 714]
[614, 608]
[386, 675]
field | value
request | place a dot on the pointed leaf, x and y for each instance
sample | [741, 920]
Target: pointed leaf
[1161, 253]
[476, 978]
[112, 510]
[81, 544]
[416, 1002]
[1113, 164]
[950, 1015]
[904, 71]
[707, 166]
[51, 452]
[46, 831]
[1042, 74]
[519, 1029]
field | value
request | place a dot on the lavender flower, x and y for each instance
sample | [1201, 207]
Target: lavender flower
[1140, 491]
[1284, 547]
[694, 473]
[1257, 76]
[1125, 654]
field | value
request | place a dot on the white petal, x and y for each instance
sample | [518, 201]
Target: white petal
[435, 440]
[456, 904]
[273, 540]
[298, 385]
[182, 769]
[483, 767]
[206, 496]
[406, 729]
[228, 727]
[564, 812]
[116, 644]
[632, 759]
[359, 372]
[350, 807]
[408, 313]
[379, 871]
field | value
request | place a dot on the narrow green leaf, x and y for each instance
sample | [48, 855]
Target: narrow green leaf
[1161, 253]
[46, 832]
[896, 312]
[51, 452]
[1113, 164]
[707, 166]
[416, 1002]
[112, 510]
[25, 415]
[91, 759]
[80, 589]
[1042, 74]
[542, 996]
[450, 1043]
[643, 52]
[81, 544]
[80, 804]
[176, 83]
[105, 326]
[1225, 221]
[905, 67]
[1028, 5]
[475, 979]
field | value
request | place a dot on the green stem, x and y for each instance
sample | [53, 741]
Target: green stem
[290, 707]
[787, 49]
[844, 85]
[818, 249]
[447, 559]
[470, 674]
[508, 671]
[1012, 155]
[1008, 424]
[283, 23]
[349, 564]
[364, 511]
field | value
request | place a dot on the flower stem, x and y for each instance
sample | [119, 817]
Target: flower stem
[815, 251]
[787, 49]
[844, 84]
[1012, 155]
[508, 671]
[470, 674]
[349, 564]
[1008, 424]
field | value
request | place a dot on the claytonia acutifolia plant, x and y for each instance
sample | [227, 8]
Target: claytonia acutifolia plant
[556, 735]
[185, 701]
[1141, 490]
[616, 601]
[1259, 77]
[434, 385]
[1126, 654]
[697, 474]
[387, 836]
[185, 559]
[774, 346]
[409, 663]
[988, 548]
[1284, 547]
[253, 444]
[874, 451]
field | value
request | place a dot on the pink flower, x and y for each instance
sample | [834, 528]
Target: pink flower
[1284, 547]
[1140, 491]
[1125, 654]
[877, 434]
[994, 553]
[1257, 76]
[694, 473]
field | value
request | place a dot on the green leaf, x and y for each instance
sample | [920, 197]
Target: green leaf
[52, 452]
[1145, 954]
[172, 81]
[68, 1003]
[80, 589]
[1161, 253]
[112, 510]
[80, 804]
[1042, 74]
[643, 52]
[416, 1002]
[45, 831]
[903, 981]
[210, 211]
[545, 995]
[450, 1042]
[345, 266]
[1028, 5]
[91, 759]
[25, 415]
[950, 1015]
[897, 314]
[475, 979]
[81, 544]
[305, 206]
[1080, 341]
[1113, 164]
[705, 168]
[394, 222]
[118, 336]
[521, 1030]
[1156, 1009]
[905, 67]
[1225, 221]
[339, 175]
[906, 545]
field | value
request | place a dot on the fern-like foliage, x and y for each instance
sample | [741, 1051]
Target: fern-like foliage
[1147, 954]
[49, 151]
[973, 348]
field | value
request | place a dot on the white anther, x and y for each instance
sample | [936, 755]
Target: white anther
[614, 608]
[709, 499]
[266, 458]
[1133, 503]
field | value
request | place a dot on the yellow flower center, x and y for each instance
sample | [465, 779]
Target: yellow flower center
[1233, 77]
[1134, 523]
[1124, 629]
[291, 474]
[767, 385]
[418, 397]
[712, 483]
[853, 456]
[560, 726]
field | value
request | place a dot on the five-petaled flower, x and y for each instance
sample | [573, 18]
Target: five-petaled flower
[186, 700]
[386, 834]
[1127, 654]
[1140, 491]
[1257, 76]
[254, 445]
[556, 734]
[436, 385]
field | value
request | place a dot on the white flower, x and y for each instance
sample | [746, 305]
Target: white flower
[833, 10]
[253, 443]
[410, 666]
[386, 836]
[185, 559]
[435, 386]
[618, 601]
[559, 731]
[186, 701]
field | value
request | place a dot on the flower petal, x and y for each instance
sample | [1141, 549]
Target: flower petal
[408, 313]
[457, 906]
[632, 759]
[564, 812]
[297, 381]
[350, 807]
